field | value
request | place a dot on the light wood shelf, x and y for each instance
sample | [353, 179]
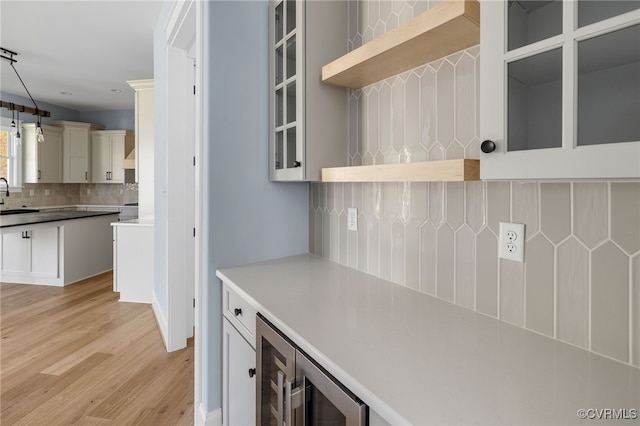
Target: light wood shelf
[424, 171]
[445, 29]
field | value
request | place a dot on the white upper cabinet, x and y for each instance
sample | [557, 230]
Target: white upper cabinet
[308, 119]
[560, 89]
[76, 150]
[41, 161]
[108, 149]
[144, 151]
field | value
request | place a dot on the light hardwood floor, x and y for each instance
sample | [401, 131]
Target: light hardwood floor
[75, 355]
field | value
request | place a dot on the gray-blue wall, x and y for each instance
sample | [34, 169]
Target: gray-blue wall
[57, 112]
[123, 119]
[249, 218]
[111, 120]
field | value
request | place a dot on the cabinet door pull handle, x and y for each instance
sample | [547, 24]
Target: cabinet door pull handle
[252, 372]
[39, 174]
[297, 164]
[488, 146]
[86, 175]
[25, 235]
[237, 311]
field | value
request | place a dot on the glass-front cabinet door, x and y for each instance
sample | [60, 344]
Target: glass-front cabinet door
[307, 119]
[286, 94]
[560, 89]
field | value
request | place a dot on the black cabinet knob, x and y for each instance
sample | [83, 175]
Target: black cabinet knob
[237, 311]
[252, 372]
[297, 164]
[488, 146]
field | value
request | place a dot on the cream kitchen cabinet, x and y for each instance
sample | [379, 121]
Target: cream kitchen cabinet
[560, 89]
[32, 253]
[76, 150]
[41, 161]
[108, 150]
[144, 140]
[238, 360]
[308, 119]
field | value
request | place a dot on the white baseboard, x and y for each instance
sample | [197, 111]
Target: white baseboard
[213, 418]
[161, 320]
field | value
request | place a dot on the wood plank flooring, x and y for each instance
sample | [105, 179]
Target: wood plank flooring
[75, 355]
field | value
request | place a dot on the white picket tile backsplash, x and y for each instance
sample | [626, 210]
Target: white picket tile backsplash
[580, 282]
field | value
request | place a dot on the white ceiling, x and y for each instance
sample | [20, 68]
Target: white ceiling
[85, 47]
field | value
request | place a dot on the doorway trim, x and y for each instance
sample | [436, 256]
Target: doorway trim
[184, 34]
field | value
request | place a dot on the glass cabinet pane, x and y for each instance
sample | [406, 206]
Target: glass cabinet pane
[591, 11]
[291, 102]
[534, 110]
[279, 107]
[279, 24]
[279, 65]
[609, 87]
[530, 21]
[291, 147]
[319, 409]
[291, 57]
[279, 149]
[291, 15]
[272, 362]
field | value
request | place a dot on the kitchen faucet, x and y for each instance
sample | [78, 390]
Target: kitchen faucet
[6, 183]
[7, 193]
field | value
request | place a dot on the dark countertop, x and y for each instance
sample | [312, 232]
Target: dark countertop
[22, 219]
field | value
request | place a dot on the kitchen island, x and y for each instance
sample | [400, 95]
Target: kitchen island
[414, 359]
[55, 248]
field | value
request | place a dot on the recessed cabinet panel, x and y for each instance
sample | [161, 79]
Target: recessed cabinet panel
[559, 90]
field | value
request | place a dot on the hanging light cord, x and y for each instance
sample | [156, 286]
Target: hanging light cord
[25, 87]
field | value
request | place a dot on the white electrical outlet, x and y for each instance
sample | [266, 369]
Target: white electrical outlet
[511, 242]
[352, 219]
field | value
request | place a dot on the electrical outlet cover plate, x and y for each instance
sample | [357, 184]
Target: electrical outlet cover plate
[511, 242]
[352, 219]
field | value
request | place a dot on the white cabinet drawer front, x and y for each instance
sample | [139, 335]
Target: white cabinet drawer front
[240, 313]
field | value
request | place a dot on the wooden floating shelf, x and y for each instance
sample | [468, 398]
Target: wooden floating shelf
[424, 171]
[445, 29]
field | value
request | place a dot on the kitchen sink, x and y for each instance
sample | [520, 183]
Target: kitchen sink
[18, 211]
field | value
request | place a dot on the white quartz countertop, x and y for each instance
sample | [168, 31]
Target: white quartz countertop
[415, 359]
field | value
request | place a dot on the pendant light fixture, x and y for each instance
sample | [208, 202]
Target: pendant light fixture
[9, 56]
[39, 134]
[18, 126]
[13, 117]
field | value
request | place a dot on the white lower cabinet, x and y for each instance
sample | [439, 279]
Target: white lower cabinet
[56, 253]
[238, 360]
[31, 253]
[238, 381]
[133, 262]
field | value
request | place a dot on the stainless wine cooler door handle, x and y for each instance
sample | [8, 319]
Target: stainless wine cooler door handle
[293, 399]
[280, 408]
